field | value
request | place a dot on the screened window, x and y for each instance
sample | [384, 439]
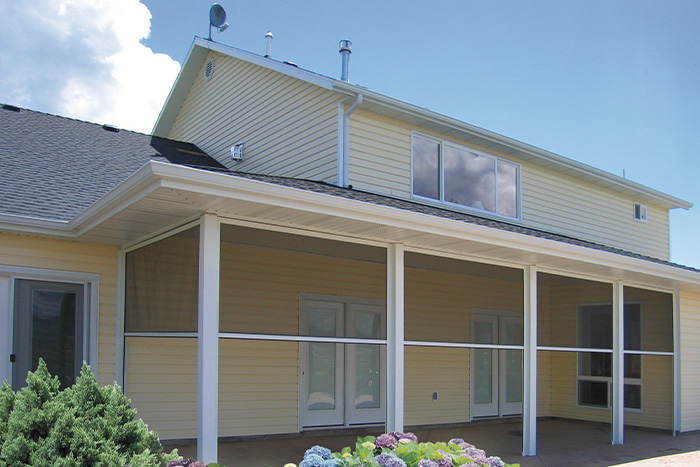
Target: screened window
[595, 368]
[466, 177]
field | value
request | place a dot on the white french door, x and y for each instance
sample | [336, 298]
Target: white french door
[496, 375]
[341, 384]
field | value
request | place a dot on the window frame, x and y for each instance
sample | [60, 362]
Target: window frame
[441, 178]
[626, 381]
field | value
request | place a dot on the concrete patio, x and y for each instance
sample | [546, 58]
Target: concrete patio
[559, 443]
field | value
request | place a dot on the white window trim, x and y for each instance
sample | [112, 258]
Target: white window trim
[8, 275]
[460, 207]
[627, 381]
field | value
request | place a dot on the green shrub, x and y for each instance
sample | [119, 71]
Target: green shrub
[83, 425]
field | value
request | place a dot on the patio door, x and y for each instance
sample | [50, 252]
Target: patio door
[496, 375]
[341, 384]
[49, 324]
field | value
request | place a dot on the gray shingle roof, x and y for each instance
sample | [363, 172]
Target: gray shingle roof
[55, 167]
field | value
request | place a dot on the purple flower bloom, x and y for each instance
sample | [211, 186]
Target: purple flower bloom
[197, 464]
[446, 460]
[427, 463]
[180, 463]
[387, 460]
[409, 436]
[495, 461]
[456, 440]
[323, 453]
[311, 460]
[386, 441]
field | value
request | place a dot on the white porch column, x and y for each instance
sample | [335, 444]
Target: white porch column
[208, 340]
[395, 337]
[677, 406]
[530, 362]
[618, 364]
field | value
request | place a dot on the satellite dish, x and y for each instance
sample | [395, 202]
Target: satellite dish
[217, 18]
[217, 15]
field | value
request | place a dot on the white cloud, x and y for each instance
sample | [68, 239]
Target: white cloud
[83, 59]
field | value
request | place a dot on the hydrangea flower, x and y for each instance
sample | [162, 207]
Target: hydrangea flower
[320, 451]
[427, 463]
[311, 460]
[386, 441]
[387, 460]
[446, 460]
[495, 461]
[368, 445]
[409, 436]
[290, 464]
[329, 463]
[456, 441]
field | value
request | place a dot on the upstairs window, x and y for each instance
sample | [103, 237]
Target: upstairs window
[640, 212]
[462, 176]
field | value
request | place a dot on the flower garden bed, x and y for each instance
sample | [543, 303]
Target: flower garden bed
[401, 450]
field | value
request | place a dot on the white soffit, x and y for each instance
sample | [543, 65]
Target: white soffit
[166, 195]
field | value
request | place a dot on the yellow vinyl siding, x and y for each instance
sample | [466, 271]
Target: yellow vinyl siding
[690, 360]
[565, 205]
[42, 253]
[441, 370]
[260, 287]
[380, 162]
[289, 127]
[161, 381]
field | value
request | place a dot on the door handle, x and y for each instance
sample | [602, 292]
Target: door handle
[12, 358]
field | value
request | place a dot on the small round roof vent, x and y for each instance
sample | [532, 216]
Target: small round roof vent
[209, 69]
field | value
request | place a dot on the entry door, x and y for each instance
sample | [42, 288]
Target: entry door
[496, 375]
[341, 384]
[48, 324]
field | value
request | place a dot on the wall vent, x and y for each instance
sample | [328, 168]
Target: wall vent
[209, 69]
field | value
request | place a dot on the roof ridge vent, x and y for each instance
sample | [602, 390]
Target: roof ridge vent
[112, 128]
[11, 107]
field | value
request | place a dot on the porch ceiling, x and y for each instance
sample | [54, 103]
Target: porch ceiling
[161, 197]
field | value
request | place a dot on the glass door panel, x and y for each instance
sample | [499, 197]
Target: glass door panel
[321, 381]
[366, 387]
[48, 324]
[484, 365]
[511, 363]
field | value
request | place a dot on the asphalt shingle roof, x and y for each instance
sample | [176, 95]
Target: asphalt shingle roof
[55, 167]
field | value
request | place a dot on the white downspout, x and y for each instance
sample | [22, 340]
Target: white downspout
[344, 138]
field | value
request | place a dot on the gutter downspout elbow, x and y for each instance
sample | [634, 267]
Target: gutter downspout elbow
[344, 138]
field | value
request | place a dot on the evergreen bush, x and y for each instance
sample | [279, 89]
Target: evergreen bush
[80, 426]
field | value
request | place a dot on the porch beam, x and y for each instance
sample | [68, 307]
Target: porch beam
[208, 339]
[395, 337]
[618, 364]
[530, 362]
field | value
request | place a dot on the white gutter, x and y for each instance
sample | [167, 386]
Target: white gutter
[344, 138]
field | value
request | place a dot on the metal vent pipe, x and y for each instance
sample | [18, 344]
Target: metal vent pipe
[345, 51]
[268, 50]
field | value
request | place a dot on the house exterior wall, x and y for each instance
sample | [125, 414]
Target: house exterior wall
[289, 127]
[42, 253]
[690, 360]
[380, 162]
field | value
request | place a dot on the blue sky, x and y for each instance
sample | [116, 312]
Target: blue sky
[613, 84]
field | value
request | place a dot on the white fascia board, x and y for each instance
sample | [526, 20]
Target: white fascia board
[131, 190]
[193, 63]
[227, 186]
[538, 153]
[34, 225]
